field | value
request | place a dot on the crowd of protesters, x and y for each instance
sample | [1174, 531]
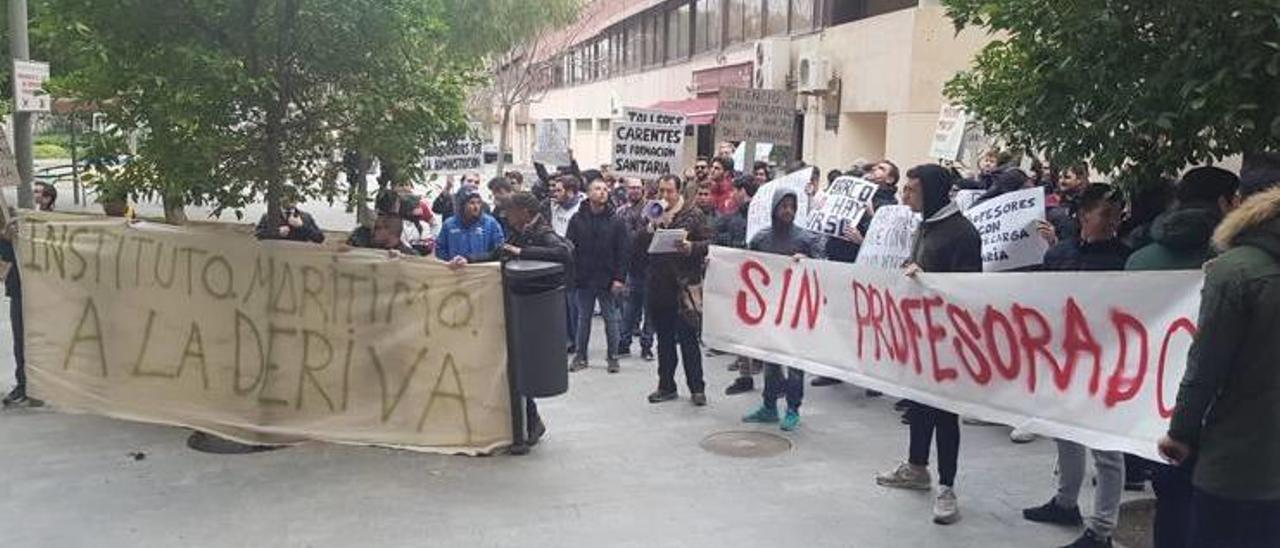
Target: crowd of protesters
[1220, 485]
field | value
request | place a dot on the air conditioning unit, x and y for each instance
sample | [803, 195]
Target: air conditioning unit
[813, 74]
[772, 63]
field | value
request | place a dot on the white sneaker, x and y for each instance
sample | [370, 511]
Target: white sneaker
[946, 510]
[906, 476]
[1019, 435]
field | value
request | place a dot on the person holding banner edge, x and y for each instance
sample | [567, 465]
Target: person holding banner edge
[783, 237]
[945, 242]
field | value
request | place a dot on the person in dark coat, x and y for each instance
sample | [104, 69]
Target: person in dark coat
[731, 230]
[532, 238]
[945, 242]
[783, 237]
[1183, 241]
[670, 276]
[1062, 206]
[1227, 413]
[600, 241]
[13, 290]
[291, 224]
[1097, 248]
[635, 322]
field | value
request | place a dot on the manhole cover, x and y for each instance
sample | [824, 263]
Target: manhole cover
[746, 444]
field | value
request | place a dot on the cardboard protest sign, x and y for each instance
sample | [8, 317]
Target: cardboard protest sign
[846, 204]
[1094, 358]
[648, 143]
[887, 243]
[760, 213]
[552, 143]
[757, 115]
[1007, 224]
[949, 135]
[454, 156]
[271, 341]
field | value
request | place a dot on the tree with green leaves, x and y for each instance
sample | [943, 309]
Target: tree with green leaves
[1138, 88]
[236, 100]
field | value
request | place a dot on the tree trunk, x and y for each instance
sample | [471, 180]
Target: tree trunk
[502, 139]
[175, 212]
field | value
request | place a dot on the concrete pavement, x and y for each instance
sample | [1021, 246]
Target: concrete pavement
[613, 471]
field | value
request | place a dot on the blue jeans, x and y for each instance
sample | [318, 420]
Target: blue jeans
[634, 317]
[19, 344]
[586, 300]
[775, 385]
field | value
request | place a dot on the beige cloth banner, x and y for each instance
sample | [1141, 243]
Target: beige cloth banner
[263, 342]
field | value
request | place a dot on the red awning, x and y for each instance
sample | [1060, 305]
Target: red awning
[700, 111]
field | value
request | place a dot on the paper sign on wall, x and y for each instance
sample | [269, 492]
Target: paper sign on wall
[648, 143]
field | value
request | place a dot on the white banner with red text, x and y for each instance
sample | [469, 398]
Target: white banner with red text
[1094, 358]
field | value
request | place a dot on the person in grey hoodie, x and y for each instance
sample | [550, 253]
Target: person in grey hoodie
[783, 237]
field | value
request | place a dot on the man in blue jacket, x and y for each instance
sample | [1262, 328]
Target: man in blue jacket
[472, 236]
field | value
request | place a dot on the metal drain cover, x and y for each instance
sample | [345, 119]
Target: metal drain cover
[744, 444]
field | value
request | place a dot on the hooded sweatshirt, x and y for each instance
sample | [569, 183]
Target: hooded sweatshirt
[1181, 240]
[946, 241]
[476, 240]
[783, 238]
[561, 213]
[1229, 402]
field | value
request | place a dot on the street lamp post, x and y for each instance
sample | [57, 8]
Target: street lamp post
[22, 130]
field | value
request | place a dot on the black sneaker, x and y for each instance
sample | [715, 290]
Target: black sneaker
[825, 381]
[572, 349]
[536, 430]
[902, 405]
[18, 398]
[1051, 512]
[699, 399]
[1090, 539]
[873, 394]
[658, 396]
[613, 366]
[646, 354]
[740, 385]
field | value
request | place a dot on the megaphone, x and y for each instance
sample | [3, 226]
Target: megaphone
[654, 210]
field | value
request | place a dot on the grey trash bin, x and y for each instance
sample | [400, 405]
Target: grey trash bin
[536, 331]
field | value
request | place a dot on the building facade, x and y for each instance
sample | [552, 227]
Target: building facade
[868, 73]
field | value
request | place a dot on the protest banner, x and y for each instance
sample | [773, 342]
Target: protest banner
[887, 243]
[552, 143]
[846, 204]
[648, 143]
[263, 341]
[1007, 224]
[454, 157]
[947, 138]
[1094, 358]
[760, 212]
[756, 115]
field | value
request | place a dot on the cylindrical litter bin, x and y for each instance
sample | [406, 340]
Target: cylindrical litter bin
[536, 331]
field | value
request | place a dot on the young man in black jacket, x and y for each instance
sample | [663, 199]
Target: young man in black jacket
[600, 256]
[531, 238]
[945, 242]
[635, 321]
[291, 224]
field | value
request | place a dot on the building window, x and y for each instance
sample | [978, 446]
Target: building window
[659, 41]
[753, 20]
[775, 17]
[708, 20]
[802, 15]
[678, 33]
[845, 11]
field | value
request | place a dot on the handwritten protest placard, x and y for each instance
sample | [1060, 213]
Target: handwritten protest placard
[551, 146]
[846, 204]
[887, 243]
[648, 143]
[454, 156]
[209, 329]
[757, 115]
[1007, 224]
[965, 199]
[760, 213]
[949, 135]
